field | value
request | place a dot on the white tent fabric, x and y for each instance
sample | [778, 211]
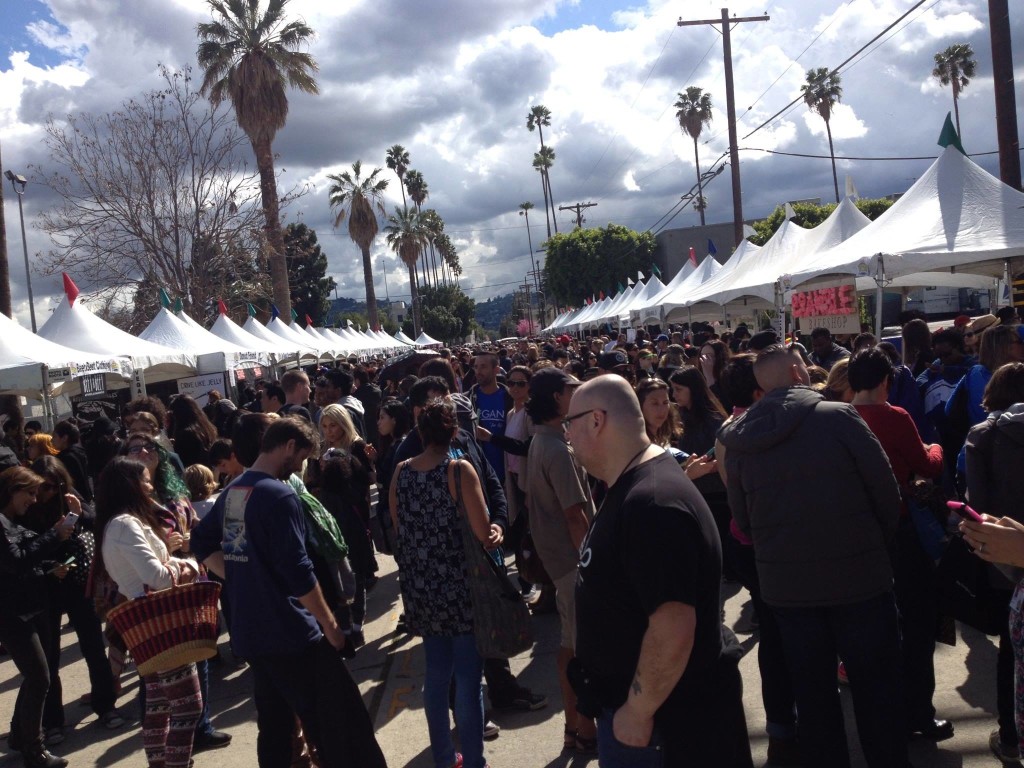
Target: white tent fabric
[955, 215]
[641, 298]
[224, 327]
[24, 355]
[670, 300]
[613, 312]
[423, 340]
[289, 347]
[280, 328]
[340, 344]
[74, 325]
[403, 338]
[213, 354]
[590, 312]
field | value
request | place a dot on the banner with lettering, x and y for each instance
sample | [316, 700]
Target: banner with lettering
[833, 307]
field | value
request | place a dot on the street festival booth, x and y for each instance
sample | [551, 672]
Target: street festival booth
[653, 287]
[37, 369]
[217, 360]
[957, 218]
[280, 328]
[401, 336]
[301, 352]
[622, 300]
[74, 325]
[671, 302]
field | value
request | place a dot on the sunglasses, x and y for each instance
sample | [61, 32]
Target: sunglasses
[136, 450]
[517, 382]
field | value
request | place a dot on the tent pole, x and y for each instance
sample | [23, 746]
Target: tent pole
[47, 403]
[1006, 284]
[879, 280]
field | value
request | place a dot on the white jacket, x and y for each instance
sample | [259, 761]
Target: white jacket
[135, 556]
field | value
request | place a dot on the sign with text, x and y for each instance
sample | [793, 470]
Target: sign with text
[833, 307]
[198, 387]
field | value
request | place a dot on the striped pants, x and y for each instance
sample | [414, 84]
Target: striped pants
[173, 707]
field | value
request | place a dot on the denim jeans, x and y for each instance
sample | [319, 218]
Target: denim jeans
[456, 657]
[866, 636]
[315, 685]
[612, 753]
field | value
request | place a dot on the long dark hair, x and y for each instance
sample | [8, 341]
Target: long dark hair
[184, 415]
[703, 403]
[397, 410]
[119, 491]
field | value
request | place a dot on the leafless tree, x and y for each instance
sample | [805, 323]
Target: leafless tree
[157, 194]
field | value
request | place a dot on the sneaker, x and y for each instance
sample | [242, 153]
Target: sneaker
[491, 731]
[111, 720]
[841, 674]
[53, 736]
[458, 760]
[1008, 753]
[524, 700]
[212, 740]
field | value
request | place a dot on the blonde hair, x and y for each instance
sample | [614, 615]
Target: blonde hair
[838, 383]
[43, 442]
[200, 481]
[340, 416]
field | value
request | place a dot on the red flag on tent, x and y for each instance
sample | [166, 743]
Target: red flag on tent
[70, 288]
[601, 295]
[222, 307]
[693, 256]
[309, 321]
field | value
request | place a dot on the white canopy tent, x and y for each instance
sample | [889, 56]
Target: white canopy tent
[672, 300]
[303, 342]
[619, 303]
[641, 298]
[290, 347]
[424, 340]
[213, 354]
[224, 327]
[33, 366]
[74, 325]
[400, 335]
[956, 217]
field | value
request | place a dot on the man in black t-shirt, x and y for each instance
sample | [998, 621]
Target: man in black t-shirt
[650, 641]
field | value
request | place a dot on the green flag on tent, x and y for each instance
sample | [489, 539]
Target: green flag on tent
[250, 309]
[295, 316]
[655, 270]
[950, 136]
[178, 305]
[619, 288]
[165, 300]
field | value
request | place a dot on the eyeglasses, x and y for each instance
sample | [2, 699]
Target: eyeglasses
[136, 450]
[517, 382]
[570, 419]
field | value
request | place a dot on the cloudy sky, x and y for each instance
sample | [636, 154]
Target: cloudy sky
[453, 80]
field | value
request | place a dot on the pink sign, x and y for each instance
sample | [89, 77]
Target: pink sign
[839, 300]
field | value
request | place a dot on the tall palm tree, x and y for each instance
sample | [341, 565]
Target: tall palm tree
[955, 66]
[418, 191]
[361, 200]
[249, 56]
[407, 237]
[693, 111]
[434, 225]
[398, 161]
[539, 117]
[822, 92]
[542, 162]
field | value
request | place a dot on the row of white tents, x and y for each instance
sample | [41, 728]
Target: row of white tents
[75, 343]
[957, 226]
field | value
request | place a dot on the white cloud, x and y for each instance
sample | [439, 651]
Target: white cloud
[454, 86]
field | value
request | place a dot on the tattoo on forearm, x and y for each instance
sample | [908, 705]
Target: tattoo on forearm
[636, 687]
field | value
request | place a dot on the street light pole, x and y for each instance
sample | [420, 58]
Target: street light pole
[18, 183]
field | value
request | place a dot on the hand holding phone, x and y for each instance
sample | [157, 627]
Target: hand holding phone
[70, 519]
[964, 511]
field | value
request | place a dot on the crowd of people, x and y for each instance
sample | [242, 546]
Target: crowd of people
[624, 475]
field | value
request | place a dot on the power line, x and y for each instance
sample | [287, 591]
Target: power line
[854, 157]
[860, 50]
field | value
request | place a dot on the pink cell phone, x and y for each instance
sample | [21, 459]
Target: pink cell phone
[964, 511]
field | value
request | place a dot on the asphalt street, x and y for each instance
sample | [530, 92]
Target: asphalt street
[389, 670]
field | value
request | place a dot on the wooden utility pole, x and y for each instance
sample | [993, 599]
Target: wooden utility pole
[1006, 102]
[5, 270]
[578, 207]
[730, 103]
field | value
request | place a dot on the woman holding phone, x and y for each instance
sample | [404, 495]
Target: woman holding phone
[25, 559]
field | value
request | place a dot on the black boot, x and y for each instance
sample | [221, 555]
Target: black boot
[38, 757]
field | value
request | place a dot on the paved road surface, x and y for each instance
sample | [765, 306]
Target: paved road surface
[389, 671]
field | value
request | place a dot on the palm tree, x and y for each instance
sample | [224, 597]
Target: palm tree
[542, 162]
[398, 161]
[407, 237]
[418, 190]
[539, 117]
[821, 93]
[361, 200]
[249, 57]
[693, 110]
[434, 226]
[955, 66]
